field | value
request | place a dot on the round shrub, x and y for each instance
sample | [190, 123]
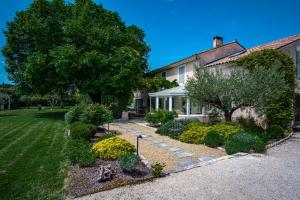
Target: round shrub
[194, 134]
[74, 113]
[79, 152]
[274, 132]
[244, 142]
[174, 128]
[79, 130]
[129, 162]
[96, 114]
[106, 136]
[160, 116]
[213, 139]
[226, 129]
[113, 148]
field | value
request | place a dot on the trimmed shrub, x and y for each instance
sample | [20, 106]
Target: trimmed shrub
[213, 139]
[160, 116]
[274, 132]
[226, 129]
[195, 134]
[79, 130]
[113, 148]
[129, 162]
[249, 125]
[244, 142]
[74, 113]
[79, 152]
[174, 128]
[96, 114]
[106, 136]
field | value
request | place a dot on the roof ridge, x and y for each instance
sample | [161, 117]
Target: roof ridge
[275, 41]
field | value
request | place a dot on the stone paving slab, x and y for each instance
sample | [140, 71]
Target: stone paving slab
[206, 158]
[183, 155]
[186, 163]
[175, 149]
[162, 145]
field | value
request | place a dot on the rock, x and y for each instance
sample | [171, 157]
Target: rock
[105, 173]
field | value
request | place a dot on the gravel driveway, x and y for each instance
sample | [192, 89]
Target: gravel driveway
[275, 175]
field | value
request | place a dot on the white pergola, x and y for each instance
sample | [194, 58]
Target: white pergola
[170, 93]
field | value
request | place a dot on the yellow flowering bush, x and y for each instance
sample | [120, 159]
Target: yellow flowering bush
[113, 148]
[196, 132]
[226, 129]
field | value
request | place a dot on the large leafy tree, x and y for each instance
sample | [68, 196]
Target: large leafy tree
[237, 89]
[280, 111]
[53, 45]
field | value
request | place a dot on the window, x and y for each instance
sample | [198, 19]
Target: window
[164, 75]
[181, 74]
[298, 62]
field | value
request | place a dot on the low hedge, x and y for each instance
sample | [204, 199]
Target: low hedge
[160, 116]
[79, 130]
[244, 142]
[274, 132]
[80, 152]
[96, 114]
[74, 113]
[113, 148]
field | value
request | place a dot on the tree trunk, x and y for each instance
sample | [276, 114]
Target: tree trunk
[227, 115]
[96, 98]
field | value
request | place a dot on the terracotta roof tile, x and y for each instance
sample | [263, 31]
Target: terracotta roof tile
[271, 45]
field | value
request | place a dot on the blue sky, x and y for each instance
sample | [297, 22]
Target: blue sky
[178, 28]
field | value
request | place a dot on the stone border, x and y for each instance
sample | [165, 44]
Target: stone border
[280, 141]
[205, 163]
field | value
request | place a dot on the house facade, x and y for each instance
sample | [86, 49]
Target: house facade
[221, 56]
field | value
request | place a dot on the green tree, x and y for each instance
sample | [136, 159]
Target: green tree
[238, 89]
[280, 111]
[53, 45]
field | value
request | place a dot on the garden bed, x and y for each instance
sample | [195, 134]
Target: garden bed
[84, 180]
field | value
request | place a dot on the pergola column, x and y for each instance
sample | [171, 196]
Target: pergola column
[156, 103]
[188, 105]
[170, 103]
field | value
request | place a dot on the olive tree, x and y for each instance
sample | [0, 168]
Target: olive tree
[236, 89]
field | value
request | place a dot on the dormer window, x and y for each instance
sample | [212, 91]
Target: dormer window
[164, 75]
[181, 74]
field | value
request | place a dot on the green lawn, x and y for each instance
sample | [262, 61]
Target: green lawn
[33, 163]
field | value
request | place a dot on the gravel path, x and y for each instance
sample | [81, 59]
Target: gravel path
[156, 148]
[275, 175]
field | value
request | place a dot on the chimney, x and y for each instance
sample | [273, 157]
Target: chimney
[217, 41]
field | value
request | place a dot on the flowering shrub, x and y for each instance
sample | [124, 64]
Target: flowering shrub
[113, 148]
[195, 134]
[226, 129]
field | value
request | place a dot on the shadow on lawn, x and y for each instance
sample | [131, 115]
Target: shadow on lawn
[52, 115]
[7, 115]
